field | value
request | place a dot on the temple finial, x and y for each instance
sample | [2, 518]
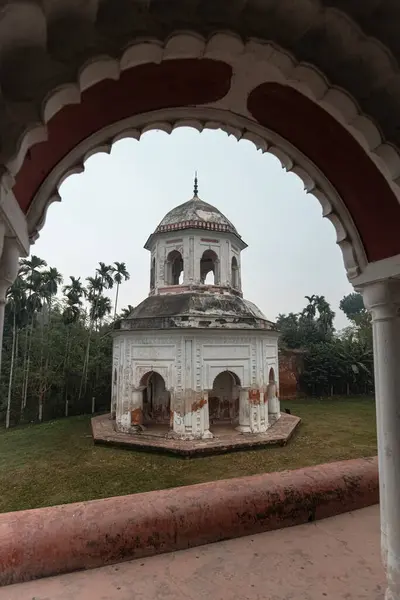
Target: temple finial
[196, 187]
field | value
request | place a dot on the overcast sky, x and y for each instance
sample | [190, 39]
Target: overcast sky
[107, 213]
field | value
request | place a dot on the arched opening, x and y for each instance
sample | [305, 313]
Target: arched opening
[209, 268]
[271, 387]
[234, 273]
[271, 375]
[301, 120]
[153, 274]
[223, 399]
[174, 268]
[156, 399]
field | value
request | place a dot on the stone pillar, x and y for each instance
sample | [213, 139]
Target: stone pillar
[190, 416]
[200, 417]
[258, 422]
[244, 412]
[177, 420]
[9, 263]
[252, 412]
[129, 416]
[274, 406]
[382, 299]
[136, 409]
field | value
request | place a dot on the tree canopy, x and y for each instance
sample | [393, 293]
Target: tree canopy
[333, 362]
[56, 347]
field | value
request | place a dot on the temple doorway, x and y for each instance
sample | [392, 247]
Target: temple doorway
[223, 399]
[156, 399]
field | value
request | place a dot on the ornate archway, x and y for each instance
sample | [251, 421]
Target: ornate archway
[315, 82]
[223, 399]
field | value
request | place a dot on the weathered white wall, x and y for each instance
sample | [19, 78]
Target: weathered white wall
[189, 362]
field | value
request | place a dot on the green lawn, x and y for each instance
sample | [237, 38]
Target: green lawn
[56, 462]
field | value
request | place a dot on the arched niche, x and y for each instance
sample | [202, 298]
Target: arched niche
[209, 268]
[223, 399]
[156, 399]
[234, 273]
[153, 274]
[174, 268]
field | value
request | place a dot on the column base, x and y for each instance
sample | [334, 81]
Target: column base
[137, 429]
[243, 429]
[190, 437]
[274, 418]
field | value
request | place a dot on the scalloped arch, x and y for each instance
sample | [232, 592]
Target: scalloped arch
[253, 63]
[209, 118]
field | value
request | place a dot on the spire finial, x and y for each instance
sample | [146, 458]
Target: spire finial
[196, 187]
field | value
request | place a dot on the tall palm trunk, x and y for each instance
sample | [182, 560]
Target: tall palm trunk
[28, 364]
[10, 379]
[116, 301]
[66, 367]
[41, 372]
[83, 383]
[25, 358]
[46, 367]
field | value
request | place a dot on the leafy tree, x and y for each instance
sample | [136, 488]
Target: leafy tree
[57, 351]
[352, 305]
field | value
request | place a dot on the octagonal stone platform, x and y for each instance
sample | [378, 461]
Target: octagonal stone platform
[226, 438]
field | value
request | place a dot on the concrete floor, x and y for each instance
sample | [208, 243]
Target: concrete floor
[336, 558]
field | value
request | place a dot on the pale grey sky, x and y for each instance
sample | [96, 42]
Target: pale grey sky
[107, 213]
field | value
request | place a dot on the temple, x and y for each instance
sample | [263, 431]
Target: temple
[195, 356]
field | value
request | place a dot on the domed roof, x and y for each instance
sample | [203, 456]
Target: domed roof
[200, 310]
[195, 214]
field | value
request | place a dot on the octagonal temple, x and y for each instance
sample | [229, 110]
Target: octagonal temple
[195, 355]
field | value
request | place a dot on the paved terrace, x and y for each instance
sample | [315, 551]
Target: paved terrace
[336, 558]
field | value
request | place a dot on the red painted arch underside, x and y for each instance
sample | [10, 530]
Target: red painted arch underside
[364, 190]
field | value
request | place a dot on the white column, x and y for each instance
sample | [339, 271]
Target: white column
[244, 412]
[177, 420]
[382, 299]
[9, 262]
[136, 408]
[274, 405]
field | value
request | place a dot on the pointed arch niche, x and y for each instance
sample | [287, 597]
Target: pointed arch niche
[156, 399]
[210, 268]
[223, 399]
[174, 268]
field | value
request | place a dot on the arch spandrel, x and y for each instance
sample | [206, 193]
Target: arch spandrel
[243, 69]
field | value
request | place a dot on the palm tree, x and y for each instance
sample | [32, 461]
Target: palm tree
[70, 316]
[120, 274]
[17, 304]
[34, 305]
[95, 287]
[125, 312]
[74, 292]
[326, 315]
[30, 269]
[103, 308]
[104, 272]
[50, 281]
[311, 309]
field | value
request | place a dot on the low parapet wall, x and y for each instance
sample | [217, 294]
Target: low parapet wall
[60, 539]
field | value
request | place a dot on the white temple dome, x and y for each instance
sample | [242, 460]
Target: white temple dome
[196, 214]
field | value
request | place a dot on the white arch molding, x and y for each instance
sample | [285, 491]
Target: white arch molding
[201, 118]
[253, 63]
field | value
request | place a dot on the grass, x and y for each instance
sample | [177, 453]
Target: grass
[56, 462]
